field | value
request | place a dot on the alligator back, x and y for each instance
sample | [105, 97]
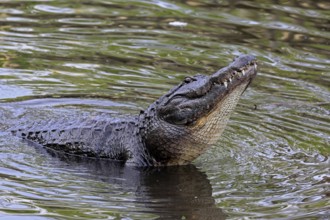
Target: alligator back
[97, 137]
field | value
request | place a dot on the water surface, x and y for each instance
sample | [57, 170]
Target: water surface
[82, 58]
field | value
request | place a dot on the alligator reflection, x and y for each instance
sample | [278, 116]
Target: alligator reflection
[181, 192]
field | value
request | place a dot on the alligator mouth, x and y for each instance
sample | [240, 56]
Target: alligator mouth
[244, 68]
[201, 95]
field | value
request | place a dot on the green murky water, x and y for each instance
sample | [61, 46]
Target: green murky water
[77, 57]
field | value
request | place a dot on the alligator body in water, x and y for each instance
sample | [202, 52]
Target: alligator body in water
[174, 130]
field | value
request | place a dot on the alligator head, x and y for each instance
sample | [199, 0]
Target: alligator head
[183, 123]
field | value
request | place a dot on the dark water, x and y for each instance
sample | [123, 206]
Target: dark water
[72, 58]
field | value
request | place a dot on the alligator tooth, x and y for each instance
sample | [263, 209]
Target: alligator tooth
[243, 71]
[225, 84]
[255, 66]
[230, 79]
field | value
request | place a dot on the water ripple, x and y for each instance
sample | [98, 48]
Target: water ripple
[69, 58]
[53, 9]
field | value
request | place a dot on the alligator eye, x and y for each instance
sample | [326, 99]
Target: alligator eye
[189, 79]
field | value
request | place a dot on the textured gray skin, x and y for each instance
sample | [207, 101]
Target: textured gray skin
[173, 130]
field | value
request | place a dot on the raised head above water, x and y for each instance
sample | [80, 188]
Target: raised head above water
[183, 123]
[174, 130]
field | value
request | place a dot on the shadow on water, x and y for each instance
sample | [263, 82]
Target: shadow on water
[178, 192]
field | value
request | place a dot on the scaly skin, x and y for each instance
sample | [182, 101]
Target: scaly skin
[173, 130]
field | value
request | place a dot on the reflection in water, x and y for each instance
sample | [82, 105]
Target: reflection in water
[179, 192]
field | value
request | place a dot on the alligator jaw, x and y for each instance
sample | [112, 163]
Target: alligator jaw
[238, 74]
[244, 68]
[197, 96]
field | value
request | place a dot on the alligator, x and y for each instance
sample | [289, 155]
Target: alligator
[174, 130]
